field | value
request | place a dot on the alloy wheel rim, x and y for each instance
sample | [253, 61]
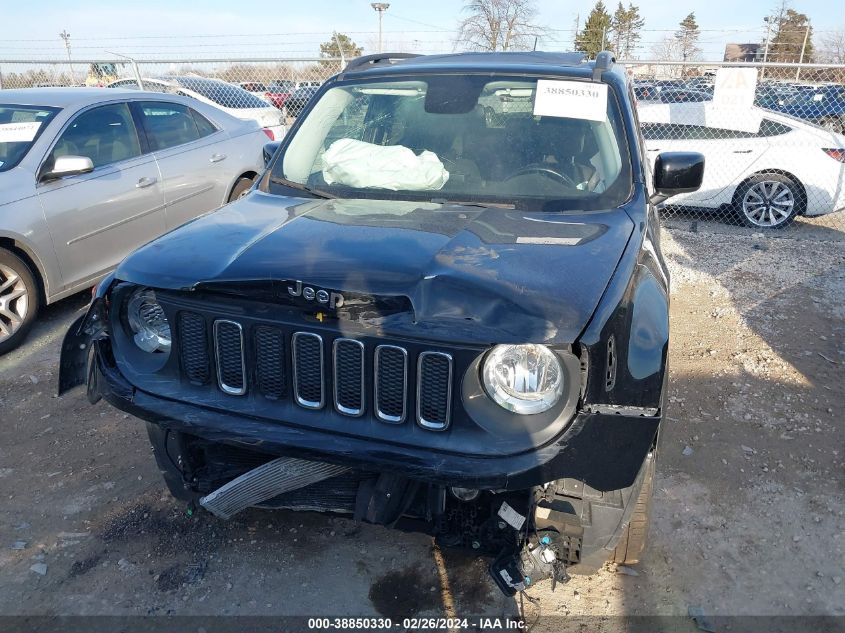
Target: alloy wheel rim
[768, 203]
[14, 302]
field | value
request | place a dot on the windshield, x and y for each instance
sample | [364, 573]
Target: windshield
[221, 93]
[19, 127]
[464, 138]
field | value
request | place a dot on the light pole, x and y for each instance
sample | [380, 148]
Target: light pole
[381, 7]
[768, 21]
[66, 37]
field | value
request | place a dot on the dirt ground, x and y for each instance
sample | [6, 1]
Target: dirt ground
[748, 510]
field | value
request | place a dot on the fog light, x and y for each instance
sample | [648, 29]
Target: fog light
[465, 494]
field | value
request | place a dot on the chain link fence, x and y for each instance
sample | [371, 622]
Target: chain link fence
[773, 135]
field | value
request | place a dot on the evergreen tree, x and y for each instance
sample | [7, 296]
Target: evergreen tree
[687, 37]
[788, 39]
[594, 37]
[626, 25]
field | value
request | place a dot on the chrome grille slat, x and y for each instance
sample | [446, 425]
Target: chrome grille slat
[434, 390]
[308, 370]
[390, 368]
[348, 362]
[229, 353]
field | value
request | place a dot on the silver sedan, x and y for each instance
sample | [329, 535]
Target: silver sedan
[87, 175]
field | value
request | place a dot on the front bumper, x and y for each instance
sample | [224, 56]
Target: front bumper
[605, 451]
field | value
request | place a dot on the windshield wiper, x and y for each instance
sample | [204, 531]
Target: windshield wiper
[483, 205]
[295, 185]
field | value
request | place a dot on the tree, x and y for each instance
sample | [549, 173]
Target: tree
[833, 47]
[594, 38]
[687, 38]
[626, 25]
[791, 30]
[340, 46]
[667, 49]
[499, 25]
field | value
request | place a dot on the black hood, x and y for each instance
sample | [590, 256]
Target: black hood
[470, 274]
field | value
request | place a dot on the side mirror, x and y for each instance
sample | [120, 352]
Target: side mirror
[676, 172]
[69, 166]
[270, 150]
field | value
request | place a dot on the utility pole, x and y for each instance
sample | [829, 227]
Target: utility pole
[381, 7]
[803, 48]
[66, 37]
[768, 21]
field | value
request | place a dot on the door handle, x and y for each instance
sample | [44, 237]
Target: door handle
[656, 149]
[216, 158]
[145, 182]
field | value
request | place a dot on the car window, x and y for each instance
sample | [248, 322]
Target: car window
[458, 137]
[20, 126]
[105, 134]
[675, 131]
[204, 126]
[221, 93]
[168, 124]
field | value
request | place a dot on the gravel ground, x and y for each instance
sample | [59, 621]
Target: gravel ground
[748, 509]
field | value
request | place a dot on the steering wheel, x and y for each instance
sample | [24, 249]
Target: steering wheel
[545, 170]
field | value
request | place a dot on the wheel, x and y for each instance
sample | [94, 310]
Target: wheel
[633, 541]
[769, 201]
[19, 299]
[241, 188]
[833, 124]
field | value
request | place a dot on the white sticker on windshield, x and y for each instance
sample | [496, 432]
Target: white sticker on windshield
[18, 132]
[571, 99]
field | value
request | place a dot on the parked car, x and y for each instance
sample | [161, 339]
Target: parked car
[646, 91]
[420, 318]
[683, 95]
[89, 174]
[256, 89]
[821, 105]
[299, 99]
[231, 99]
[784, 169]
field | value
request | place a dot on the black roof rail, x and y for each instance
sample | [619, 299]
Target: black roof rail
[604, 61]
[365, 60]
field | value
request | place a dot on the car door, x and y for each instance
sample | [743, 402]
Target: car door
[727, 154]
[191, 155]
[96, 219]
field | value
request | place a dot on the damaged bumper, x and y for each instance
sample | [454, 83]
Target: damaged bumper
[604, 450]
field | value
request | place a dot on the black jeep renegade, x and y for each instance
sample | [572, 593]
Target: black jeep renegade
[443, 307]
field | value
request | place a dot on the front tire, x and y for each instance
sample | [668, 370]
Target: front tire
[769, 201]
[19, 300]
[241, 188]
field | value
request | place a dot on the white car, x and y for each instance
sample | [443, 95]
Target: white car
[783, 168]
[231, 99]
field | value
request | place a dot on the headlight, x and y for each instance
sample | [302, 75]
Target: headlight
[150, 329]
[524, 379]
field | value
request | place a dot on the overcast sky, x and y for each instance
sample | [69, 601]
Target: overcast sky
[164, 28]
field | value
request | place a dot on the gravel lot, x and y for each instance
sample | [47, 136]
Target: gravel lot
[748, 513]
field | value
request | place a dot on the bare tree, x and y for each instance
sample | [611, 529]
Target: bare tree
[498, 25]
[668, 49]
[833, 46]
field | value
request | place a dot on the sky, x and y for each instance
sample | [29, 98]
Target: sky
[168, 29]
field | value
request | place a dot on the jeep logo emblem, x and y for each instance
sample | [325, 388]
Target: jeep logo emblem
[323, 297]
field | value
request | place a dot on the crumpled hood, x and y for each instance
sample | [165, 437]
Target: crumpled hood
[471, 274]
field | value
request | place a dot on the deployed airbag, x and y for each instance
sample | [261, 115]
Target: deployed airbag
[395, 167]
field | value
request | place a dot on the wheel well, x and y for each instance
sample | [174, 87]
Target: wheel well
[802, 201]
[10, 245]
[247, 174]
